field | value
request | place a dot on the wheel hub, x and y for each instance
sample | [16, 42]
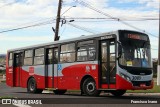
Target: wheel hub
[90, 87]
[32, 86]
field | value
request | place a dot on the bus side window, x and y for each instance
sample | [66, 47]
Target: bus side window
[92, 53]
[50, 56]
[17, 61]
[10, 59]
[82, 54]
[55, 56]
[63, 57]
[67, 53]
[39, 56]
[28, 54]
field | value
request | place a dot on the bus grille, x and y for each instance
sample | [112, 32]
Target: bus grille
[138, 83]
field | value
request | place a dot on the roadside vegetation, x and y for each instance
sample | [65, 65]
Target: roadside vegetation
[156, 89]
[2, 72]
[3, 81]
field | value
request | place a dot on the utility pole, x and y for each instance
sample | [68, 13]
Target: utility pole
[158, 66]
[56, 37]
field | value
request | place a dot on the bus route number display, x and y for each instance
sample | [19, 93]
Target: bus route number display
[136, 36]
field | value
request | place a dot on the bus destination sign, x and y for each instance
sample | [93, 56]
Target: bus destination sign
[136, 36]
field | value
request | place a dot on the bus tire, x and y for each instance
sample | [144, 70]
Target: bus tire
[89, 87]
[32, 86]
[59, 92]
[118, 92]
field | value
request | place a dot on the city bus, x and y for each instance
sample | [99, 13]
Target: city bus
[111, 62]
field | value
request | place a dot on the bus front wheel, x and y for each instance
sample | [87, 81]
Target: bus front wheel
[118, 92]
[32, 86]
[89, 87]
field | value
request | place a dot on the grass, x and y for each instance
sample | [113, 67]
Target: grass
[156, 89]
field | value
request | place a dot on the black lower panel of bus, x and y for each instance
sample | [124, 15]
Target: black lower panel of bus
[138, 83]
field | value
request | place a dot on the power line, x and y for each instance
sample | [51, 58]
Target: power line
[99, 20]
[109, 19]
[29, 26]
[110, 16]
[67, 10]
[81, 28]
[32, 23]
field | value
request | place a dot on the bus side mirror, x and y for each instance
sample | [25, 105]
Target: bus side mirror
[119, 50]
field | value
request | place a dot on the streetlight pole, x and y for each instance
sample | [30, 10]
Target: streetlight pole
[56, 37]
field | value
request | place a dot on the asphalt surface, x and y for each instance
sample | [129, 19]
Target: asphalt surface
[76, 98]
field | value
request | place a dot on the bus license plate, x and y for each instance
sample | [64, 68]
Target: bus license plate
[142, 85]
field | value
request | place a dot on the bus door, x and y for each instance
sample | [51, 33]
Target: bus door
[108, 63]
[17, 67]
[51, 66]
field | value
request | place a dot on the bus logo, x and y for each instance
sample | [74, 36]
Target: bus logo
[87, 68]
[6, 101]
[59, 67]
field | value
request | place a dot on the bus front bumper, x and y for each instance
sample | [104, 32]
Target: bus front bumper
[123, 84]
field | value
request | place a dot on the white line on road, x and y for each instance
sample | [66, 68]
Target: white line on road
[21, 105]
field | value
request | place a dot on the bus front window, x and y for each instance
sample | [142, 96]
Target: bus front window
[135, 54]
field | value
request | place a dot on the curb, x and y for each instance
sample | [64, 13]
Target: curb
[142, 93]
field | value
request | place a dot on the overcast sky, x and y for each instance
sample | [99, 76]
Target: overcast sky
[20, 13]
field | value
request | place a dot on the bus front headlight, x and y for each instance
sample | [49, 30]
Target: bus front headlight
[125, 77]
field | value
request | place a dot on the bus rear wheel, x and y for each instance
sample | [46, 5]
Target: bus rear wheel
[32, 86]
[118, 92]
[89, 87]
[59, 92]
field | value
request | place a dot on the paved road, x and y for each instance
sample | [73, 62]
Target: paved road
[75, 98]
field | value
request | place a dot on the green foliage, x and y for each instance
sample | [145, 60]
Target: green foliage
[156, 89]
[2, 72]
[154, 75]
[3, 81]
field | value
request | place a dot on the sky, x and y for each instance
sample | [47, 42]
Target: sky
[21, 13]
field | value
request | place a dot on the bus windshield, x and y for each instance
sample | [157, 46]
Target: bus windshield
[135, 53]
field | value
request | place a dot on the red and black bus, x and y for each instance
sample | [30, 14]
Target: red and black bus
[111, 62]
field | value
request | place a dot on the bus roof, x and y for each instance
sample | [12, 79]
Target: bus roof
[67, 40]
